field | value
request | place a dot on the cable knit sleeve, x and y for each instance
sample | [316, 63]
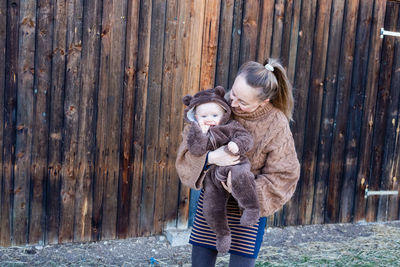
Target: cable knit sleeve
[277, 180]
[190, 168]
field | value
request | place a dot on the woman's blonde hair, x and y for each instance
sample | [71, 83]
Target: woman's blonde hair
[273, 81]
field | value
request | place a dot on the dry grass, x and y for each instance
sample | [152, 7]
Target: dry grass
[382, 248]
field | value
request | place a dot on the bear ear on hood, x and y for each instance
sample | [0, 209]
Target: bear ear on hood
[187, 99]
[219, 90]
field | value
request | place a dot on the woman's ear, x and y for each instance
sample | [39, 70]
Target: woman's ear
[187, 99]
[219, 90]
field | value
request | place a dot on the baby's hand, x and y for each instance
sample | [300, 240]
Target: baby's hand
[204, 128]
[233, 147]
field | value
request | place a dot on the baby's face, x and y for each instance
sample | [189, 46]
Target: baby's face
[209, 114]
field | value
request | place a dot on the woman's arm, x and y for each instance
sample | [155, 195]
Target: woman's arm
[278, 178]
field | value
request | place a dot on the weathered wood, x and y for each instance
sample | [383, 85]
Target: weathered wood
[210, 44]
[266, 30]
[368, 115]
[236, 36]
[191, 84]
[58, 55]
[41, 116]
[9, 130]
[286, 32]
[151, 185]
[294, 39]
[85, 159]
[328, 112]
[291, 209]
[126, 155]
[167, 180]
[301, 85]
[3, 34]
[381, 116]
[24, 121]
[279, 16]
[109, 118]
[224, 44]
[341, 111]
[314, 109]
[180, 56]
[391, 157]
[140, 109]
[354, 122]
[71, 116]
[248, 51]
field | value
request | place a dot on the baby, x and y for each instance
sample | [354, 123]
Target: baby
[211, 128]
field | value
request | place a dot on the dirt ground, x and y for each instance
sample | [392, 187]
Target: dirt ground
[375, 244]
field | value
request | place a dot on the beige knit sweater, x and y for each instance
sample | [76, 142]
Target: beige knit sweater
[273, 159]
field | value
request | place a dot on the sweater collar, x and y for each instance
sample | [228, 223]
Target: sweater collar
[260, 112]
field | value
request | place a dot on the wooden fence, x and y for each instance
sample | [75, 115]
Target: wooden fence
[91, 112]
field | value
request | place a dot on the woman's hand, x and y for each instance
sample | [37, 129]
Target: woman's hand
[228, 184]
[220, 157]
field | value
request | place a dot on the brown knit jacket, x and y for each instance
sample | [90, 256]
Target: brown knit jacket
[273, 158]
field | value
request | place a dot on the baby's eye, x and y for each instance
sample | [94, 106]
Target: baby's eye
[203, 116]
[215, 115]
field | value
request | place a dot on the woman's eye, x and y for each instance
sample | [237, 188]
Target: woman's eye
[243, 104]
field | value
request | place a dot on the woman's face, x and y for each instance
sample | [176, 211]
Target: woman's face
[244, 97]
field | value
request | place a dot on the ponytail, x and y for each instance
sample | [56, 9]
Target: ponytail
[272, 78]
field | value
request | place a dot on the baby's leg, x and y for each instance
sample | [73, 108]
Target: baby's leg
[214, 209]
[244, 191]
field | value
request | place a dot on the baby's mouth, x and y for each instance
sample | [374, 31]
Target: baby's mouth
[210, 123]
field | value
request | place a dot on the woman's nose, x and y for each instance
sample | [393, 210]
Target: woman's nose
[234, 103]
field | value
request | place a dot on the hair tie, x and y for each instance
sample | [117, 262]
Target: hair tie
[269, 67]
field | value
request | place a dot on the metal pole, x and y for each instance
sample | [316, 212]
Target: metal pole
[389, 33]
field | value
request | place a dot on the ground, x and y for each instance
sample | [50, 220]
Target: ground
[374, 244]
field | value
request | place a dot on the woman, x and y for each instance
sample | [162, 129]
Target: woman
[262, 101]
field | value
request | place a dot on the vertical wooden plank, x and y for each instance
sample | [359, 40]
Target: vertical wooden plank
[56, 122]
[72, 110]
[328, 112]
[266, 30]
[71, 43]
[354, 120]
[384, 92]
[291, 209]
[210, 44]
[140, 110]
[286, 32]
[314, 109]
[236, 36]
[126, 155]
[368, 115]
[85, 161]
[180, 57]
[191, 83]
[41, 120]
[341, 110]
[279, 16]
[23, 148]
[391, 157]
[224, 43]
[301, 85]
[294, 39]
[9, 91]
[109, 118]
[248, 51]
[167, 180]
[152, 184]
